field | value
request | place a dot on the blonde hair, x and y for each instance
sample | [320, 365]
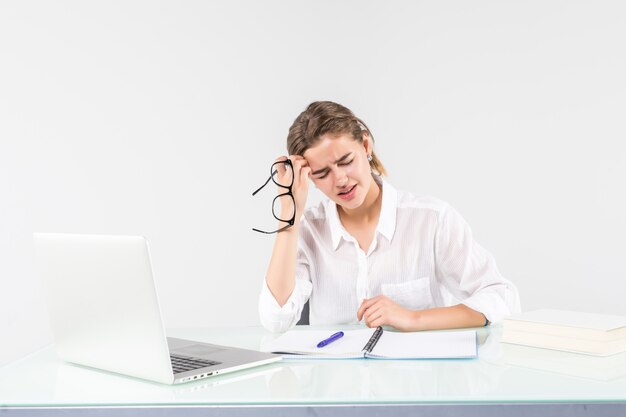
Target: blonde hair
[322, 117]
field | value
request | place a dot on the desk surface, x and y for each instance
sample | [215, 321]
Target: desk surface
[503, 375]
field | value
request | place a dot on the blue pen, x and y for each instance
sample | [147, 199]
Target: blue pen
[331, 339]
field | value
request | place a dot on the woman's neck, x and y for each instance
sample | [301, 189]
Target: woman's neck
[367, 212]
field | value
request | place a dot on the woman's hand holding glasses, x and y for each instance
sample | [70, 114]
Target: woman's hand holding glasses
[300, 188]
[291, 175]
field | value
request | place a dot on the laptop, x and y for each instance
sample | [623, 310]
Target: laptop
[105, 313]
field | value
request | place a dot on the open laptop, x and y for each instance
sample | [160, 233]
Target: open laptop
[105, 313]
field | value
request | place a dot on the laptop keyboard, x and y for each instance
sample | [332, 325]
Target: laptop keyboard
[186, 363]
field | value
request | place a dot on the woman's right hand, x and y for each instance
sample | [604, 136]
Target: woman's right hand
[300, 188]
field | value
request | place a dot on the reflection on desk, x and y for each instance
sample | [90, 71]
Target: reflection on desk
[74, 382]
[495, 377]
[351, 380]
[371, 379]
[602, 368]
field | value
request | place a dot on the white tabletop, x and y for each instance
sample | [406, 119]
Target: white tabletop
[502, 374]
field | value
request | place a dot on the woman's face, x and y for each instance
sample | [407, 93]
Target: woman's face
[340, 169]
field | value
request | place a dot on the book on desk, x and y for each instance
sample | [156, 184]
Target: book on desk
[571, 331]
[376, 344]
[600, 368]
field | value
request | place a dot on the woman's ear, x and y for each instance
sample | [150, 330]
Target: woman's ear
[367, 143]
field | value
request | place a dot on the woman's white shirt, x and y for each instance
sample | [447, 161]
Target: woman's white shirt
[422, 256]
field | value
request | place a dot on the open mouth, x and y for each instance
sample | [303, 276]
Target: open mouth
[349, 190]
[349, 193]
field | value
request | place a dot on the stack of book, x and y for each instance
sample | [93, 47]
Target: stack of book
[588, 333]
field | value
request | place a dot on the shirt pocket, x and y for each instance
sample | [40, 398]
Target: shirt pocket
[414, 294]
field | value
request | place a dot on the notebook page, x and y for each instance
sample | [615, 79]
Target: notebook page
[427, 345]
[305, 342]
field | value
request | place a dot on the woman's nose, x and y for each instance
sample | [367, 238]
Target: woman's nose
[342, 179]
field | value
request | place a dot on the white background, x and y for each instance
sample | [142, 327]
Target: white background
[161, 118]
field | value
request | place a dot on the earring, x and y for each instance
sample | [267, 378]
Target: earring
[369, 158]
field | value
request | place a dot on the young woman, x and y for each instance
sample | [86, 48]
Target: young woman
[370, 252]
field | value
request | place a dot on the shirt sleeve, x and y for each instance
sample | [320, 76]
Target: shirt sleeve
[469, 271]
[279, 319]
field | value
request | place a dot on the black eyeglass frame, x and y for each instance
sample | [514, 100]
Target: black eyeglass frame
[289, 192]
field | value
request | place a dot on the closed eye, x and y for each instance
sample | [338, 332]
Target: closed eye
[321, 177]
[323, 173]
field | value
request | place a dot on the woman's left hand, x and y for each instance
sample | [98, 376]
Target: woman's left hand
[381, 310]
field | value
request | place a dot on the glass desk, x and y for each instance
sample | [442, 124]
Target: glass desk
[504, 380]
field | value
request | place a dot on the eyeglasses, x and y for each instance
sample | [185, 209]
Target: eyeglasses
[284, 200]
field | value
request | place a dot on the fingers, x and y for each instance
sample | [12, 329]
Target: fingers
[371, 309]
[361, 310]
[374, 314]
[298, 163]
[378, 311]
[382, 311]
[301, 170]
[364, 306]
[305, 172]
[380, 321]
[367, 303]
[280, 167]
[292, 158]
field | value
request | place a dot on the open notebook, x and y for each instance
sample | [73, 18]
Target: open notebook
[376, 343]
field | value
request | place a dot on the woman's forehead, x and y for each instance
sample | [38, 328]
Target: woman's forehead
[330, 148]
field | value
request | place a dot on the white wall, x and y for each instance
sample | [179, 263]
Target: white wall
[160, 118]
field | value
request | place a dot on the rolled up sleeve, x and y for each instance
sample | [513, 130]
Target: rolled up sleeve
[279, 319]
[469, 272]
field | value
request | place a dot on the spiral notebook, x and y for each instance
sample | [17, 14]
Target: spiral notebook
[376, 344]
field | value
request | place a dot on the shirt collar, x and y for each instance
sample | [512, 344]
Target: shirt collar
[386, 222]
